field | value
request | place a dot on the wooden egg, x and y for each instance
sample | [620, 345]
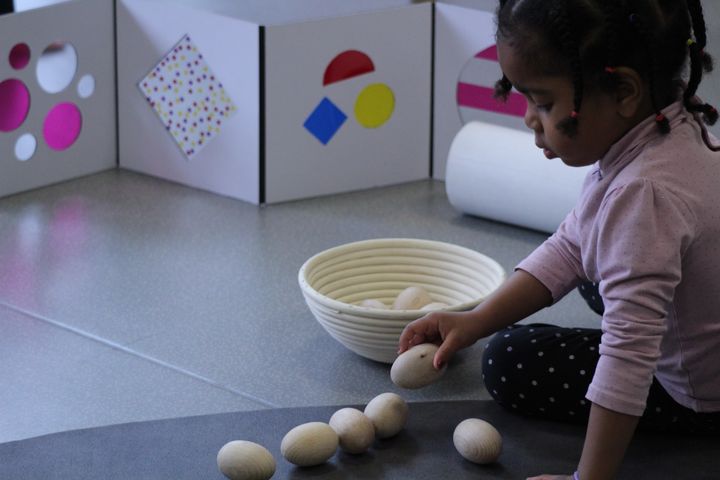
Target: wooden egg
[373, 303]
[388, 413]
[412, 298]
[414, 368]
[434, 306]
[477, 441]
[309, 444]
[243, 460]
[355, 430]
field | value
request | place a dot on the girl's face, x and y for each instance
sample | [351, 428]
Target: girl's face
[550, 100]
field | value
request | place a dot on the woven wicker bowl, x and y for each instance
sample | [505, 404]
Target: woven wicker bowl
[334, 281]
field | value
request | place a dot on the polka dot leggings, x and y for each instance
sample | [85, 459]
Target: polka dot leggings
[544, 371]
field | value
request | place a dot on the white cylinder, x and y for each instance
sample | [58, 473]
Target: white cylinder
[498, 173]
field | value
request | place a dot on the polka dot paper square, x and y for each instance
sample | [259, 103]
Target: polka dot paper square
[187, 97]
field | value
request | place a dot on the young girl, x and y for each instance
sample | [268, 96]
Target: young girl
[610, 83]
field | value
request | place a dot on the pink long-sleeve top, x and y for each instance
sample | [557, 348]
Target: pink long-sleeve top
[647, 228]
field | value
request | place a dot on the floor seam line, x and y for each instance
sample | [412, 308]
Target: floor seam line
[129, 351]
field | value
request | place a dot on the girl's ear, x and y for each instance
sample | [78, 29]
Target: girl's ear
[631, 92]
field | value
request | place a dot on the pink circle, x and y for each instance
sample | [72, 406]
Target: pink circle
[62, 126]
[20, 56]
[15, 102]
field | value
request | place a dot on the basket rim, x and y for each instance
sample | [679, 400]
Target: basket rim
[312, 295]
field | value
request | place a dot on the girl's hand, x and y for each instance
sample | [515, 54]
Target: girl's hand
[520, 296]
[552, 477]
[451, 330]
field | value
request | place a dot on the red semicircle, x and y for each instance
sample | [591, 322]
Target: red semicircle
[347, 64]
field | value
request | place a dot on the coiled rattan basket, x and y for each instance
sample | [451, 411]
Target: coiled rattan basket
[334, 281]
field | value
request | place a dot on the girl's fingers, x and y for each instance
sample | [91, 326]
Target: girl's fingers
[416, 339]
[417, 332]
[445, 352]
[408, 338]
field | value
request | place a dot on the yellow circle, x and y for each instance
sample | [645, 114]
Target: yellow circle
[374, 106]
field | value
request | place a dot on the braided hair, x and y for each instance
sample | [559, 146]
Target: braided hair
[700, 62]
[588, 39]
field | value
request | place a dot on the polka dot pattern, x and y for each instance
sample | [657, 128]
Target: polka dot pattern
[528, 367]
[591, 293]
[187, 97]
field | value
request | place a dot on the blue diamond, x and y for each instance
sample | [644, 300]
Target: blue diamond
[325, 121]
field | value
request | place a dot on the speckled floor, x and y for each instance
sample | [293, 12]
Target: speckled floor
[127, 298]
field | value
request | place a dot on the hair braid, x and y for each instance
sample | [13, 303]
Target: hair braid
[502, 86]
[560, 21]
[700, 31]
[700, 62]
[648, 40]
[502, 89]
[614, 18]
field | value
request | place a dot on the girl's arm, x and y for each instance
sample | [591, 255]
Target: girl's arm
[607, 438]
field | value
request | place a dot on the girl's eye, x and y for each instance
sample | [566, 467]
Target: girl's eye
[544, 107]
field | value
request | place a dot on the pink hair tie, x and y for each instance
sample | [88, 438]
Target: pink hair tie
[574, 114]
[659, 117]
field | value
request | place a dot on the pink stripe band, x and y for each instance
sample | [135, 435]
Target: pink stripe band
[476, 96]
[489, 53]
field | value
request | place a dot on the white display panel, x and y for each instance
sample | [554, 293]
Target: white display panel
[51, 129]
[228, 163]
[359, 154]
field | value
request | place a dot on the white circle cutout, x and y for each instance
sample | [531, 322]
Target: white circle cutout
[25, 147]
[56, 67]
[86, 86]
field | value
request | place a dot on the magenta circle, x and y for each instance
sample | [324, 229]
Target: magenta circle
[15, 102]
[20, 56]
[62, 126]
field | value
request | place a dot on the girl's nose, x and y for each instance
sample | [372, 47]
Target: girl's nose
[531, 118]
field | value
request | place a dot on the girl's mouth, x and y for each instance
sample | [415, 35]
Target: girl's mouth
[549, 154]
